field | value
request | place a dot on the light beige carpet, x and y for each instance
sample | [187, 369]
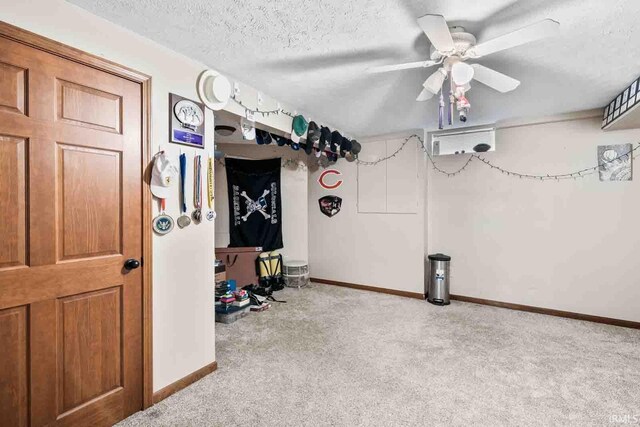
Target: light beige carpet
[339, 357]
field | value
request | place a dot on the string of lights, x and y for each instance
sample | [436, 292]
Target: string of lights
[375, 162]
[546, 177]
[264, 113]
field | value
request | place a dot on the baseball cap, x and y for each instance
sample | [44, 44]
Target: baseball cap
[263, 137]
[313, 136]
[336, 140]
[281, 140]
[248, 130]
[163, 175]
[355, 147]
[345, 146]
[325, 138]
[298, 127]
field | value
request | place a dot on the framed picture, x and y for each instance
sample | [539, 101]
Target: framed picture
[186, 121]
[615, 162]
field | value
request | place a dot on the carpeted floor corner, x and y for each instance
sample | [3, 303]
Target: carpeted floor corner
[333, 356]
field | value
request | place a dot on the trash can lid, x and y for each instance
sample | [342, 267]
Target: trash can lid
[439, 257]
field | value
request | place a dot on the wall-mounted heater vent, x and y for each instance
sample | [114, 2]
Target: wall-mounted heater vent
[473, 140]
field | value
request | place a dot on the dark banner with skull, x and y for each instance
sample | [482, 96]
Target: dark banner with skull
[255, 208]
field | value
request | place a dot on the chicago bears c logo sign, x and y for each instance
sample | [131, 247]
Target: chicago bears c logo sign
[327, 182]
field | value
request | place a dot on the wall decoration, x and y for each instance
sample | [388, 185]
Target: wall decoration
[615, 162]
[186, 125]
[328, 181]
[163, 223]
[163, 175]
[211, 214]
[183, 219]
[214, 89]
[330, 205]
[254, 203]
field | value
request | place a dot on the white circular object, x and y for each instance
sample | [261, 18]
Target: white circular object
[461, 73]
[189, 113]
[214, 89]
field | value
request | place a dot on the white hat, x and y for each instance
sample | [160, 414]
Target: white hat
[294, 136]
[163, 175]
[214, 89]
[248, 129]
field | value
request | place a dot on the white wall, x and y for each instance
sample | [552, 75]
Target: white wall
[373, 249]
[183, 315]
[295, 218]
[571, 245]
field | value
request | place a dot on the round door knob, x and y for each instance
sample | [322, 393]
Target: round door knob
[131, 264]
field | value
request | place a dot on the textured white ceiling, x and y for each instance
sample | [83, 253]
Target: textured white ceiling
[312, 54]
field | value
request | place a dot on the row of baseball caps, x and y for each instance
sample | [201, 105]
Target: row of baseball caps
[319, 139]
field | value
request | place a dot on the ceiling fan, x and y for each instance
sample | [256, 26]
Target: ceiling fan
[452, 46]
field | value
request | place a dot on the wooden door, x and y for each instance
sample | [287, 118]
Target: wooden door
[70, 215]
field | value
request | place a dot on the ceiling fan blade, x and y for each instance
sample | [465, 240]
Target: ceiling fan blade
[434, 82]
[533, 32]
[493, 79]
[397, 67]
[424, 95]
[437, 30]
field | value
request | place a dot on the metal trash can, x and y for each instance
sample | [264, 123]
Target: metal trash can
[438, 285]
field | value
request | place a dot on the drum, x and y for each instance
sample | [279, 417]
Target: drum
[295, 273]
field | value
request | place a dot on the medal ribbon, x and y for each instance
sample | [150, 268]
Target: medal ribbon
[210, 182]
[183, 176]
[197, 190]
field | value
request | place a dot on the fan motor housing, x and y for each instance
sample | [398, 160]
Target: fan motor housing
[461, 40]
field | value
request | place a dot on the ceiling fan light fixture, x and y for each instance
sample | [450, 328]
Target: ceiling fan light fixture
[461, 73]
[435, 81]
[224, 130]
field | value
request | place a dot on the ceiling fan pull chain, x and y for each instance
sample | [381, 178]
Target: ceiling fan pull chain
[441, 111]
[451, 99]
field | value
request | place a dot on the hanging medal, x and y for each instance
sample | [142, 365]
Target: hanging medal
[211, 214]
[197, 189]
[163, 223]
[184, 219]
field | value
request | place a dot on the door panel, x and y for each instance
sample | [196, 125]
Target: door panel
[90, 342]
[13, 88]
[90, 202]
[13, 185]
[70, 315]
[87, 106]
[13, 369]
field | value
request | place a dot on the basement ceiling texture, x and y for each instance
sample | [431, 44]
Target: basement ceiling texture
[313, 54]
